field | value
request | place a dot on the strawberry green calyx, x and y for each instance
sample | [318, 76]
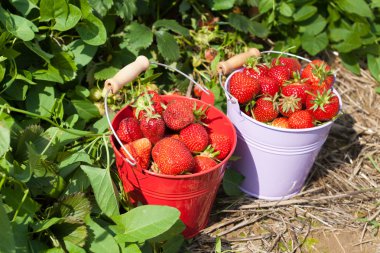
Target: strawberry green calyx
[210, 152]
[320, 100]
[289, 104]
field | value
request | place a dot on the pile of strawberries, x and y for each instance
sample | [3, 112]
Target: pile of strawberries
[283, 94]
[171, 138]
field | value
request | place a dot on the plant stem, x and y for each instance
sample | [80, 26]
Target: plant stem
[49, 144]
[21, 203]
[107, 153]
[2, 181]
[34, 115]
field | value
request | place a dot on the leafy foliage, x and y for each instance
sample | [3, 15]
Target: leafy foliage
[58, 185]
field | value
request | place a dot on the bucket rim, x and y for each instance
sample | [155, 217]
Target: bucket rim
[198, 174]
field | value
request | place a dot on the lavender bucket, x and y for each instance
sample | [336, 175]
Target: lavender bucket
[274, 161]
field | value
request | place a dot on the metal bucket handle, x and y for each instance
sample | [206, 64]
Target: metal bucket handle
[128, 74]
[236, 62]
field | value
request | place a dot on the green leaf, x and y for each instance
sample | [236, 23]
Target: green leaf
[19, 26]
[71, 231]
[86, 109]
[5, 135]
[51, 74]
[12, 197]
[125, 9]
[106, 73]
[138, 37]
[65, 64]
[351, 41]
[100, 239]
[6, 233]
[20, 227]
[350, 62]
[359, 7]
[50, 9]
[45, 224]
[78, 181]
[145, 222]
[69, 20]
[305, 12]
[175, 230]
[73, 248]
[92, 31]
[314, 44]
[40, 99]
[259, 29]
[101, 6]
[17, 90]
[266, 5]
[83, 53]
[239, 22]
[73, 206]
[36, 48]
[219, 5]
[231, 181]
[374, 66]
[286, 9]
[24, 6]
[313, 25]
[173, 245]
[2, 71]
[167, 45]
[70, 163]
[172, 25]
[104, 192]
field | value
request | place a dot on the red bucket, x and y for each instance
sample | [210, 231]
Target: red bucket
[194, 194]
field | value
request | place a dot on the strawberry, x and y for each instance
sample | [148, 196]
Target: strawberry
[296, 87]
[195, 137]
[129, 130]
[255, 70]
[221, 143]
[291, 63]
[140, 150]
[282, 122]
[266, 109]
[243, 87]
[279, 73]
[318, 75]
[197, 91]
[147, 102]
[324, 106]
[289, 105]
[172, 157]
[203, 163]
[269, 86]
[178, 114]
[153, 127]
[301, 119]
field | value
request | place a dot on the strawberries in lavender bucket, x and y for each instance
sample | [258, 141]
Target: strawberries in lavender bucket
[283, 126]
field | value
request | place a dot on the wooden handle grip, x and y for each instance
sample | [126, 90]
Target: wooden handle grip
[126, 74]
[226, 67]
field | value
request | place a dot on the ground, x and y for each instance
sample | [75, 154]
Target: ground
[338, 210]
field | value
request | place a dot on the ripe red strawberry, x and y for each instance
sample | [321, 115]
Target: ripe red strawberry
[197, 91]
[221, 143]
[279, 73]
[172, 157]
[281, 122]
[203, 163]
[254, 69]
[153, 127]
[195, 137]
[318, 75]
[243, 87]
[140, 150]
[301, 119]
[297, 88]
[289, 104]
[148, 102]
[266, 109]
[269, 86]
[324, 106]
[291, 63]
[178, 114]
[129, 130]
